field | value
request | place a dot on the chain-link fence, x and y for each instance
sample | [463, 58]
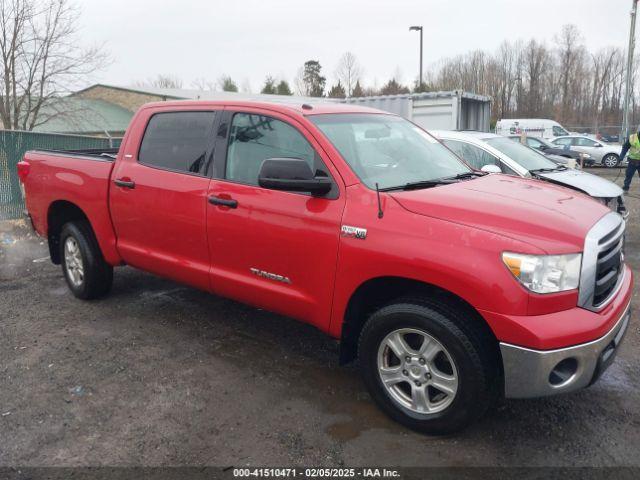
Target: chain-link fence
[14, 144]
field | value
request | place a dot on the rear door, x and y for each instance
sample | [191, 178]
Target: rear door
[273, 249]
[159, 194]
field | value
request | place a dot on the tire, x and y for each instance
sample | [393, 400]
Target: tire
[470, 358]
[610, 160]
[87, 274]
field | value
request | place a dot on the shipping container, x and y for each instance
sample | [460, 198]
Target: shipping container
[454, 110]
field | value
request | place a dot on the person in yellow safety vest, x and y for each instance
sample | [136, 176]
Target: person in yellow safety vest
[632, 145]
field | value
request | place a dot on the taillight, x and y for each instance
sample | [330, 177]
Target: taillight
[23, 170]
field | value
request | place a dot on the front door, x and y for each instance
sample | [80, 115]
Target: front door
[159, 196]
[586, 145]
[273, 249]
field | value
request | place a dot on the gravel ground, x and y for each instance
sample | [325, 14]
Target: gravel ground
[160, 374]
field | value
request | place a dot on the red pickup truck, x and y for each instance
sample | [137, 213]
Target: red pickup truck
[452, 287]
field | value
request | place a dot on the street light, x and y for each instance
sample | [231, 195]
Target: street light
[627, 90]
[419, 28]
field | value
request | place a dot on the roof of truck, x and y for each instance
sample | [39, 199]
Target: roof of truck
[301, 107]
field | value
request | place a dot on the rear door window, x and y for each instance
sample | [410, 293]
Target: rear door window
[178, 141]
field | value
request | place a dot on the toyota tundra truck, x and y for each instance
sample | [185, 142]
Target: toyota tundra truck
[453, 288]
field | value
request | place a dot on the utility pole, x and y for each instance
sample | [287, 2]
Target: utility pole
[419, 28]
[627, 93]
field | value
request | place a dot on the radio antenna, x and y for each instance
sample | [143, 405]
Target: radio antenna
[380, 212]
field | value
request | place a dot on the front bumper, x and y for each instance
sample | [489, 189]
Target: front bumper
[537, 373]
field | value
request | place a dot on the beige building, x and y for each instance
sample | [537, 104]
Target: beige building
[128, 98]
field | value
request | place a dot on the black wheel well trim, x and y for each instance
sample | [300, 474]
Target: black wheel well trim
[59, 213]
[377, 292]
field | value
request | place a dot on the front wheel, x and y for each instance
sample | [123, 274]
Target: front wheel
[428, 367]
[85, 270]
[610, 160]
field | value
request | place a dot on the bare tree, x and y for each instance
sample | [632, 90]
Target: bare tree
[203, 84]
[161, 81]
[42, 60]
[581, 89]
[348, 72]
[569, 45]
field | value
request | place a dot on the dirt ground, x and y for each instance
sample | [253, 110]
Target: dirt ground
[160, 374]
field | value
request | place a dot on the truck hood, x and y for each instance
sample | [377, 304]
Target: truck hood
[551, 218]
[590, 184]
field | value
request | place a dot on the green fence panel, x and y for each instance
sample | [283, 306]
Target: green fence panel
[14, 144]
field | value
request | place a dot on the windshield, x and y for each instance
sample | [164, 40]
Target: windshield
[524, 156]
[388, 150]
[559, 131]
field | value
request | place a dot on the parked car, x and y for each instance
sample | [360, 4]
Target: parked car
[552, 151]
[453, 287]
[602, 153]
[490, 152]
[533, 127]
[610, 138]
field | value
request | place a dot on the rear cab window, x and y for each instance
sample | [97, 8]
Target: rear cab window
[178, 141]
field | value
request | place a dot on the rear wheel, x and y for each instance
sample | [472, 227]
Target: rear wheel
[610, 160]
[85, 270]
[429, 366]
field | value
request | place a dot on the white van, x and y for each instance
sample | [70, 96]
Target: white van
[533, 127]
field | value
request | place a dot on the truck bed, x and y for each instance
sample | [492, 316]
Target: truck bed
[108, 154]
[77, 177]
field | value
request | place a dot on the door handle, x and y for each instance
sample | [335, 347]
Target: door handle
[125, 183]
[224, 202]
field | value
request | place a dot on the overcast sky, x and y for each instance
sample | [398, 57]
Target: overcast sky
[249, 39]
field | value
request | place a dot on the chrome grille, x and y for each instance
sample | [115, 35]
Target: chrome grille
[602, 262]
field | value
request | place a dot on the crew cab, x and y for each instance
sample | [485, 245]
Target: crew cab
[451, 286]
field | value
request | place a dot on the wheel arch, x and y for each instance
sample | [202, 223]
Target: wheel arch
[377, 292]
[59, 213]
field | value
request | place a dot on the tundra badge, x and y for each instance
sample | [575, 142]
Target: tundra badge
[354, 232]
[270, 276]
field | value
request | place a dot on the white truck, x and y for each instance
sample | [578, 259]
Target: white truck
[533, 127]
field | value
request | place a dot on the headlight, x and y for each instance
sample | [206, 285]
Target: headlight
[545, 273]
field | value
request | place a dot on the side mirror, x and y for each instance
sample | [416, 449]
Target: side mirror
[542, 147]
[292, 175]
[598, 145]
[491, 168]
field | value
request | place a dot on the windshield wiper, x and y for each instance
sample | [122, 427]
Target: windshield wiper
[463, 176]
[418, 185]
[546, 170]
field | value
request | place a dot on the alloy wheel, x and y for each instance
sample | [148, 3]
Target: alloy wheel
[417, 371]
[73, 262]
[610, 161]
